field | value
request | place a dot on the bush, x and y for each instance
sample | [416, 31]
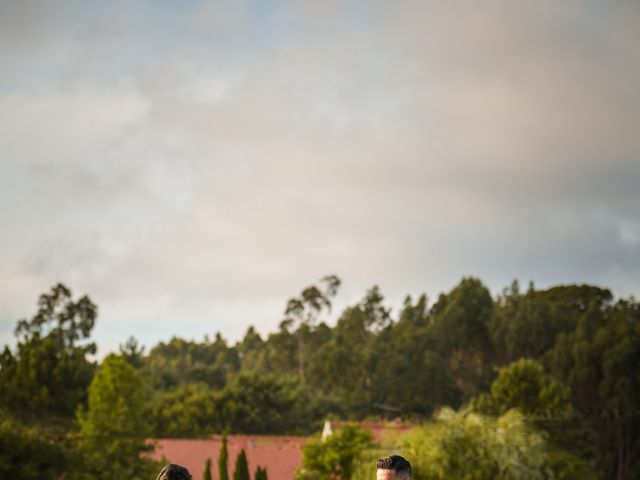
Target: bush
[335, 457]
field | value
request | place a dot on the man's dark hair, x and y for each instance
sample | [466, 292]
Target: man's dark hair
[396, 463]
[174, 472]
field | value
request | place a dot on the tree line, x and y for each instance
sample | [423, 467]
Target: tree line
[567, 358]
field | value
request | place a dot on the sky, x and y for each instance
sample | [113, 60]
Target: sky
[192, 165]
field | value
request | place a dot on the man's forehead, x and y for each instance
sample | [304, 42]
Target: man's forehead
[389, 474]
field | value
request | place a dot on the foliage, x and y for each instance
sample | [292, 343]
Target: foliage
[223, 460]
[468, 446]
[343, 362]
[188, 410]
[180, 362]
[249, 403]
[312, 300]
[599, 361]
[336, 456]
[459, 331]
[261, 473]
[251, 351]
[305, 309]
[132, 352]
[523, 385]
[252, 403]
[241, 470]
[58, 315]
[207, 470]
[410, 377]
[27, 454]
[48, 374]
[113, 429]
[364, 467]
[461, 317]
[527, 325]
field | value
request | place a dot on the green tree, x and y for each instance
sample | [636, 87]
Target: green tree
[207, 470]
[281, 351]
[261, 473]
[343, 362]
[249, 403]
[260, 404]
[305, 309]
[27, 453]
[410, 374]
[132, 352]
[459, 330]
[49, 372]
[336, 456]
[113, 429]
[599, 361]
[251, 351]
[179, 362]
[527, 324]
[523, 385]
[223, 459]
[241, 470]
[472, 447]
[185, 411]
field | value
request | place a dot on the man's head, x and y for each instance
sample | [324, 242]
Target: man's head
[393, 468]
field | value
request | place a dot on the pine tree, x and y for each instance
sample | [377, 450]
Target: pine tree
[223, 472]
[207, 470]
[241, 471]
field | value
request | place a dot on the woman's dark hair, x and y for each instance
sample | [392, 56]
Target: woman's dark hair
[174, 472]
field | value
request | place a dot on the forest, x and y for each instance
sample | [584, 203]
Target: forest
[530, 383]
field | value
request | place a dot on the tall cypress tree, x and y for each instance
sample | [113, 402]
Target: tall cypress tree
[223, 472]
[241, 471]
[207, 470]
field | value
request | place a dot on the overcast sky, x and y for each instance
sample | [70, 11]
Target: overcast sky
[192, 165]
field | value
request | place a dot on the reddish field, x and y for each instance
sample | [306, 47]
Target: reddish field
[279, 454]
